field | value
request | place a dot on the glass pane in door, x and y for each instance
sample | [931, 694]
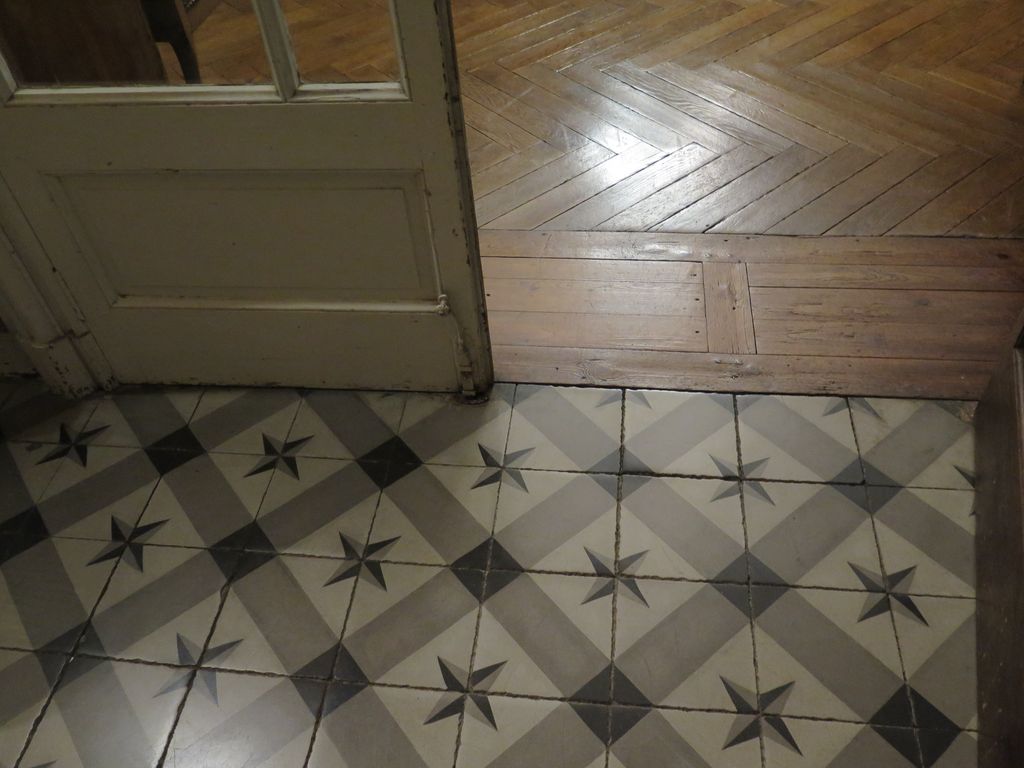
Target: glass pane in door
[343, 41]
[132, 42]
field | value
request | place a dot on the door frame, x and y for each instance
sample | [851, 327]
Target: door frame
[40, 312]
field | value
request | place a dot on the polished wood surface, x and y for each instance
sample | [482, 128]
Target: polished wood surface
[790, 117]
[869, 316]
[1000, 537]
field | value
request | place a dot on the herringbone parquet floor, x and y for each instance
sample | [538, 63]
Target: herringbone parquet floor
[789, 117]
[835, 117]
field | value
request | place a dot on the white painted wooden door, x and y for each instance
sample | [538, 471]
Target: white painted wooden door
[287, 233]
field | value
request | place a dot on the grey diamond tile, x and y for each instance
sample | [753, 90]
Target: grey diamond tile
[680, 433]
[922, 443]
[234, 720]
[239, 420]
[836, 651]
[26, 680]
[440, 430]
[788, 437]
[558, 521]
[397, 632]
[139, 417]
[680, 528]
[552, 634]
[49, 591]
[405, 731]
[667, 739]
[677, 642]
[810, 535]
[346, 425]
[566, 428]
[930, 531]
[106, 713]
[284, 615]
[533, 732]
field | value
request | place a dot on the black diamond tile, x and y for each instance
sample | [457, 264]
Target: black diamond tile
[623, 719]
[624, 690]
[595, 717]
[310, 692]
[247, 562]
[763, 598]
[476, 558]
[736, 571]
[896, 711]
[472, 580]
[339, 693]
[934, 744]
[347, 669]
[403, 454]
[502, 560]
[930, 716]
[166, 460]
[320, 667]
[902, 740]
[599, 687]
[21, 533]
[183, 439]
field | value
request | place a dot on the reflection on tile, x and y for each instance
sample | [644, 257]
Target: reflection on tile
[931, 534]
[529, 618]
[556, 521]
[159, 605]
[436, 515]
[48, 591]
[653, 738]
[409, 728]
[107, 713]
[680, 433]
[440, 430]
[235, 720]
[937, 641]
[681, 528]
[406, 620]
[26, 680]
[811, 535]
[682, 644]
[786, 437]
[924, 443]
[842, 744]
[829, 654]
[505, 731]
[284, 614]
[567, 428]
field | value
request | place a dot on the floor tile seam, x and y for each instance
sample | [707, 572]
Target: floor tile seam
[736, 393]
[616, 555]
[474, 645]
[70, 657]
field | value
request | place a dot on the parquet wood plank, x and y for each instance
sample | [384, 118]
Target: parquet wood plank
[727, 308]
[884, 277]
[600, 331]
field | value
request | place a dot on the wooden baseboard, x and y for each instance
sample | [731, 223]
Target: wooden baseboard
[1000, 558]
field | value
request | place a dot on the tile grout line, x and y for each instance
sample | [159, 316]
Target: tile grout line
[615, 578]
[243, 553]
[474, 647]
[750, 592]
[885, 583]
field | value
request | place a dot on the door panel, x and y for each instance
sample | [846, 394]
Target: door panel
[316, 235]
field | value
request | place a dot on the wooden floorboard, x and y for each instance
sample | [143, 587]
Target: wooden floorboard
[921, 317]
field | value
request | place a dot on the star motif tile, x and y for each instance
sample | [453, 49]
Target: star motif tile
[551, 526]
[675, 650]
[572, 429]
[288, 612]
[919, 443]
[789, 437]
[142, 612]
[363, 562]
[535, 732]
[254, 721]
[526, 620]
[809, 534]
[402, 736]
[396, 635]
[688, 527]
[680, 433]
[127, 541]
[439, 430]
[466, 693]
[437, 514]
[841, 667]
[931, 531]
[105, 713]
[73, 444]
[666, 737]
[190, 654]
[280, 455]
